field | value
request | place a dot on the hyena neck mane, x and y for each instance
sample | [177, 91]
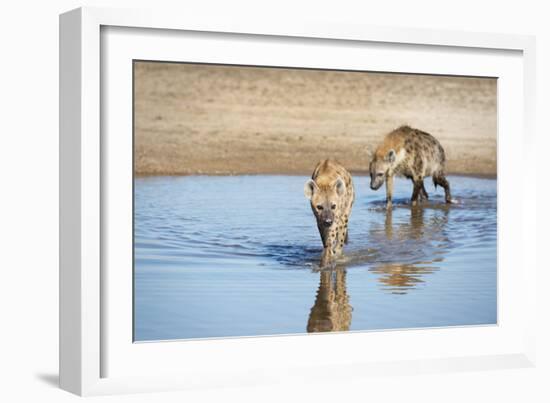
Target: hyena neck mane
[393, 141]
[326, 182]
[327, 174]
[383, 151]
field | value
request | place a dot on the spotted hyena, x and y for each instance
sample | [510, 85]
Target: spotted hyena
[330, 191]
[411, 153]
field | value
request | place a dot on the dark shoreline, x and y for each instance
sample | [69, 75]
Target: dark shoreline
[357, 173]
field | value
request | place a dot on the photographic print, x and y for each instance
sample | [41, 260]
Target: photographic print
[273, 201]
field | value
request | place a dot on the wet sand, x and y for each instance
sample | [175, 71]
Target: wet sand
[202, 119]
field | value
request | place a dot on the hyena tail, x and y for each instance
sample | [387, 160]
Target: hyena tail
[435, 183]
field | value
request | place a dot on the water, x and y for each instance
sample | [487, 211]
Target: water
[230, 256]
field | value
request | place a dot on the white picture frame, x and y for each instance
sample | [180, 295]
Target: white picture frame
[96, 356]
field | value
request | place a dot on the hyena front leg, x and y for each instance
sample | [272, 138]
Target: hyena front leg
[326, 257]
[417, 188]
[346, 239]
[389, 191]
[341, 239]
[345, 225]
[329, 242]
[423, 193]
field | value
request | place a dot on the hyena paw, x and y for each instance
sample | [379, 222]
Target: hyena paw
[326, 258]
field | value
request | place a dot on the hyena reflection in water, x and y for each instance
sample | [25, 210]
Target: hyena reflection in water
[407, 265]
[331, 194]
[331, 311]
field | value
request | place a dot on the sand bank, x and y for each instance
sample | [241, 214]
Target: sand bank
[200, 119]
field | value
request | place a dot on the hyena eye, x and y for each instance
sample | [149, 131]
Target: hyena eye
[319, 207]
[333, 207]
[380, 174]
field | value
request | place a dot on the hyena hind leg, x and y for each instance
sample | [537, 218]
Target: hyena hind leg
[423, 194]
[441, 180]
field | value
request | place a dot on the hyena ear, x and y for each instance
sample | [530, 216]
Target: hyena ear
[390, 156]
[340, 187]
[309, 188]
[369, 152]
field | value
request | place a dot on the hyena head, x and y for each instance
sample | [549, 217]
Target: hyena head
[379, 167]
[325, 201]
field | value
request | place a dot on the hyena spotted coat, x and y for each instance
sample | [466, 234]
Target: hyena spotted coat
[331, 194]
[411, 153]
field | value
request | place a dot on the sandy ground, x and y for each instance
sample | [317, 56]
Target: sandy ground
[202, 119]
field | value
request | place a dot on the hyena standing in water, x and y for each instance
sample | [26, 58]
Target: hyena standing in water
[411, 153]
[330, 191]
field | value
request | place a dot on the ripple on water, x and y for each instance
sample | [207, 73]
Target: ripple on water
[248, 265]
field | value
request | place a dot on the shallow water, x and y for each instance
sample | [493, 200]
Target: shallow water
[222, 256]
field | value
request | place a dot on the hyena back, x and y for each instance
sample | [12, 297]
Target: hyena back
[331, 194]
[411, 153]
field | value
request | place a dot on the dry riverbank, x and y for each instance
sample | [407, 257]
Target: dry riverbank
[200, 119]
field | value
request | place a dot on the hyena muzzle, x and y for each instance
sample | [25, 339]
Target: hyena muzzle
[331, 194]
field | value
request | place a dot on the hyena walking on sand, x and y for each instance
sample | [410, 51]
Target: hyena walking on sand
[330, 191]
[411, 153]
